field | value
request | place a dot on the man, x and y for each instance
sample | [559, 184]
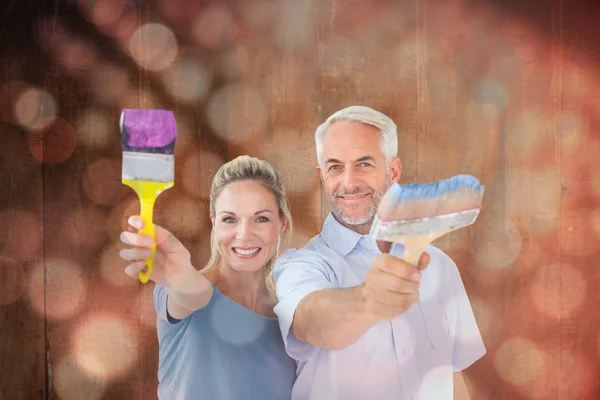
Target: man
[362, 323]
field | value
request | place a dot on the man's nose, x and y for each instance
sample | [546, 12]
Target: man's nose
[350, 178]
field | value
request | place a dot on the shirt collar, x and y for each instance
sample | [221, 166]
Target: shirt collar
[338, 237]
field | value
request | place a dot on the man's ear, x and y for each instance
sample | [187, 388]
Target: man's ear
[320, 172]
[395, 169]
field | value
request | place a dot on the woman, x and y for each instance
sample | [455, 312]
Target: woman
[218, 336]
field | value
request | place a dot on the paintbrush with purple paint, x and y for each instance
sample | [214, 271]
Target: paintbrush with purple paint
[148, 140]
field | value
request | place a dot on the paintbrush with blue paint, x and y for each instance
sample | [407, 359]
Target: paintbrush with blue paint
[148, 140]
[416, 215]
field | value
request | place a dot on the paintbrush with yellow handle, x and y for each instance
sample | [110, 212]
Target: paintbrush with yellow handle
[148, 141]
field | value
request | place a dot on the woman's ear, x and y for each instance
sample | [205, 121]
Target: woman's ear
[212, 221]
[283, 226]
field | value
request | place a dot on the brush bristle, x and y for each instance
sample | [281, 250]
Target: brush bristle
[148, 131]
[414, 201]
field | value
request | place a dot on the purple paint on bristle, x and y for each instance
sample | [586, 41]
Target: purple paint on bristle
[151, 131]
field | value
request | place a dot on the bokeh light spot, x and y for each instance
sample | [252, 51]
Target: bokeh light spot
[558, 292]
[578, 236]
[294, 24]
[237, 113]
[53, 141]
[525, 134]
[65, 289]
[199, 169]
[21, 234]
[35, 107]
[187, 80]
[79, 377]
[212, 27]
[489, 322]
[96, 129]
[112, 266]
[571, 127]
[534, 197]
[153, 46]
[499, 243]
[117, 221]
[102, 182]
[109, 341]
[109, 83]
[86, 227]
[13, 281]
[259, 13]
[103, 12]
[183, 216]
[518, 361]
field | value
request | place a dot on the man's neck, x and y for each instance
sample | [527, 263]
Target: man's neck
[364, 229]
[361, 229]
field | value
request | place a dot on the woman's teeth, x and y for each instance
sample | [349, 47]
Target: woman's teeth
[246, 252]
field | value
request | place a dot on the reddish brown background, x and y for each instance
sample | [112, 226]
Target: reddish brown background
[506, 91]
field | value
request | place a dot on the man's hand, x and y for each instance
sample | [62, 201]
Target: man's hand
[392, 286]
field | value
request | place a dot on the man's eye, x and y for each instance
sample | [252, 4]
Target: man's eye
[333, 167]
[365, 164]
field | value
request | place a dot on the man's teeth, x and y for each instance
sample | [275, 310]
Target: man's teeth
[246, 252]
[358, 196]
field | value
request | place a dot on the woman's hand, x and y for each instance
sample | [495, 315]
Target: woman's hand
[172, 264]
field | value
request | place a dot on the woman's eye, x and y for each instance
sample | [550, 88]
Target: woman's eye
[262, 219]
[228, 220]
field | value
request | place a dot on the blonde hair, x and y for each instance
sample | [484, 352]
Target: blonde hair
[254, 169]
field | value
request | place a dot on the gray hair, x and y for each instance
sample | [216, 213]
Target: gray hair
[365, 115]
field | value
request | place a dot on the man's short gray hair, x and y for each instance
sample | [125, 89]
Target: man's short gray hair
[365, 115]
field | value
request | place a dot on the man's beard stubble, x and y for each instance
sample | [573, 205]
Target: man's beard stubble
[358, 220]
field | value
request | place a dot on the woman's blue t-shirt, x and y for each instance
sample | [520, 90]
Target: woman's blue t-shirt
[221, 352]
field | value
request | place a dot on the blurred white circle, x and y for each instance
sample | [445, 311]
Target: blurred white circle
[153, 46]
[187, 80]
[237, 113]
[33, 106]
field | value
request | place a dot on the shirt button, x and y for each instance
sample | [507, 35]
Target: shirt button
[442, 301]
[405, 353]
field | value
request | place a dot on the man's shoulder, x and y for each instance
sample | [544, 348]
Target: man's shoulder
[315, 249]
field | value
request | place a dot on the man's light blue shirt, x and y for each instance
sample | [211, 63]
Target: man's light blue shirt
[411, 357]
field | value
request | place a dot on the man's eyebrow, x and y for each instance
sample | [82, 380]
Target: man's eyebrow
[360, 159]
[365, 158]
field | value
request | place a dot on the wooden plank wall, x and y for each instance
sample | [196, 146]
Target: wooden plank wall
[504, 90]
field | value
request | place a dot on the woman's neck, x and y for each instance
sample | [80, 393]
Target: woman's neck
[248, 289]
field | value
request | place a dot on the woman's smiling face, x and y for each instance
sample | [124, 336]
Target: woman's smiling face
[247, 225]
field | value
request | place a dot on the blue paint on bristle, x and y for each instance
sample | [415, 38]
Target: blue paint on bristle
[148, 131]
[434, 189]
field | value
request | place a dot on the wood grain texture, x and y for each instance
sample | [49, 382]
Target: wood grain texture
[503, 90]
[22, 322]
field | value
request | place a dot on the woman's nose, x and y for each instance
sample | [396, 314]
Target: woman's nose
[244, 230]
